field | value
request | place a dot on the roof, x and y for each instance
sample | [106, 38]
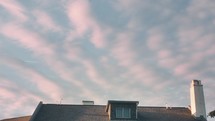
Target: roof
[24, 118]
[163, 114]
[54, 112]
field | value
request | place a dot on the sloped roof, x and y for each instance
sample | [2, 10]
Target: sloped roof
[54, 112]
[163, 114]
[24, 118]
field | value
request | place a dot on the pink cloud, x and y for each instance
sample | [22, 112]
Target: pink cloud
[15, 105]
[46, 21]
[27, 38]
[65, 73]
[167, 59]
[122, 50]
[126, 56]
[133, 7]
[168, 62]
[129, 6]
[143, 74]
[189, 34]
[155, 39]
[182, 69]
[43, 84]
[6, 94]
[6, 83]
[204, 42]
[14, 97]
[164, 54]
[46, 86]
[73, 51]
[94, 76]
[15, 9]
[98, 37]
[201, 9]
[210, 51]
[79, 13]
[49, 88]
[127, 3]
[52, 91]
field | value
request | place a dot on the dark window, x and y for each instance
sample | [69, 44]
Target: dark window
[123, 112]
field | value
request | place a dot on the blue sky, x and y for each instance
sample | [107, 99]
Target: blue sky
[74, 50]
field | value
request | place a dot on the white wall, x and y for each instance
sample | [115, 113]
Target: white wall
[197, 99]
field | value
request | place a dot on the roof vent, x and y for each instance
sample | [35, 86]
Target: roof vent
[168, 107]
[87, 102]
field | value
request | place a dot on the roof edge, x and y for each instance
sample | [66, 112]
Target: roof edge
[36, 111]
[143, 106]
[15, 118]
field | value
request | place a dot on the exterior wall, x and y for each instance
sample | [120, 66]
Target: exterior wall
[197, 99]
[109, 112]
[113, 112]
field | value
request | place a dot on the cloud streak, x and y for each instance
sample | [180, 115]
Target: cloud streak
[15, 9]
[46, 21]
[79, 13]
[14, 102]
[27, 38]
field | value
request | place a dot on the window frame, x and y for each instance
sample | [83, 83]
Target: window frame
[123, 112]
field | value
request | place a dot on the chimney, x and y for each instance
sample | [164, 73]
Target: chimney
[197, 100]
[87, 102]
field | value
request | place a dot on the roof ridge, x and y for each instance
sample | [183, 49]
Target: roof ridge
[106, 105]
[72, 105]
[162, 107]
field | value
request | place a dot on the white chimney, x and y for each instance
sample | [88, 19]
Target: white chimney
[197, 99]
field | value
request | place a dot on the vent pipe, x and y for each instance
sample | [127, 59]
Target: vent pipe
[87, 102]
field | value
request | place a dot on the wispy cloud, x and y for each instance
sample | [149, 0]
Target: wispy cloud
[15, 9]
[94, 76]
[79, 13]
[43, 84]
[27, 38]
[155, 39]
[6, 94]
[13, 102]
[45, 21]
[122, 49]
[127, 57]
[46, 86]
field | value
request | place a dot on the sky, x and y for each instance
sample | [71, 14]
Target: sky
[66, 51]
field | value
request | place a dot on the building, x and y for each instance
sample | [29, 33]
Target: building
[117, 110]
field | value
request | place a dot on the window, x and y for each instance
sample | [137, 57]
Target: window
[123, 112]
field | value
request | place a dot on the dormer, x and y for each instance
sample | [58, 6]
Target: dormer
[122, 110]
